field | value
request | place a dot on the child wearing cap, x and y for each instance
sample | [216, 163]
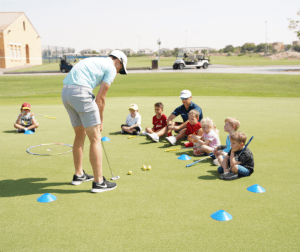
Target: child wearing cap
[133, 122]
[159, 121]
[25, 119]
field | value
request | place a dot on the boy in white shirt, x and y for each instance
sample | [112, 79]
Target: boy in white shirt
[133, 122]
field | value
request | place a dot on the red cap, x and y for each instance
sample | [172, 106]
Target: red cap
[25, 106]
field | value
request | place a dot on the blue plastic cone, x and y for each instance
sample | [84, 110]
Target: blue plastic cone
[184, 157]
[221, 215]
[256, 189]
[28, 132]
[105, 139]
[47, 197]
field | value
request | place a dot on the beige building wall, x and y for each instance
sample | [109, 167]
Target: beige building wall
[2, 55]
[22, 44]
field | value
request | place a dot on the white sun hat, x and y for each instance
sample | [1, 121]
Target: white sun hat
[121, 56]
[184, 94]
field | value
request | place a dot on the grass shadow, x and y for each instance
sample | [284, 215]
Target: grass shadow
[30, 186]
[214, 175]
[10, 131]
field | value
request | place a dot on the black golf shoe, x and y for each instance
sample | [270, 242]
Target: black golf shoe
[77, 180]
[104, 186]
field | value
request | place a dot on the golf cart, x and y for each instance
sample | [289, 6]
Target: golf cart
[188, 61]
[64, 65]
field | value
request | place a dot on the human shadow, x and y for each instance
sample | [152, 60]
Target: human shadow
[214, 175]
[10, 131]
[30, 186]
[114, 133]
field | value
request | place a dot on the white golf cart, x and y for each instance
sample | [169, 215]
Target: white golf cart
[190, 61]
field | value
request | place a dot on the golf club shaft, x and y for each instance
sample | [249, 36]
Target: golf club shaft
[106, 158]
[45, 116]
[195, 147]
[245, 146]
[189, 165]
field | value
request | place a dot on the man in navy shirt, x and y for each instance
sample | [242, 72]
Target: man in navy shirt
[183, 110]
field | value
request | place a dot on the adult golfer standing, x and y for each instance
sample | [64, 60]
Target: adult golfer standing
[86, 112]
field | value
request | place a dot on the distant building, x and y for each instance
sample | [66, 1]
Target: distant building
[145, 51]
[128, 51]
[278, 46]
[104, 52]
[86, 51]
[20, 43]
[164, 50]
[296, 42]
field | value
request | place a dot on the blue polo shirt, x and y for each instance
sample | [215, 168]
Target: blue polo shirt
[181, 110]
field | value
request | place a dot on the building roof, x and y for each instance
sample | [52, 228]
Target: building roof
[8, 18]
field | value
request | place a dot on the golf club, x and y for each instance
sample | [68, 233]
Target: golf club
[113, 177]
[45, 116]
[209, 156]
[186, 148]
[245, 147]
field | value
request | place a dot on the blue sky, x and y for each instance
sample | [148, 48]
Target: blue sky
[98, 24]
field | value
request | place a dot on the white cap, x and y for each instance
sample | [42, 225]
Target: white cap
[184, 94]
[121, 56]
[134, 107]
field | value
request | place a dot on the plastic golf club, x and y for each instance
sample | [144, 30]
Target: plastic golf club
[186, 148]
[113, 177]
[189, 165]
[45, 116]
[245, 146]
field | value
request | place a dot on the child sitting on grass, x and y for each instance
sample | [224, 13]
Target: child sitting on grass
[231, 126]
[233, 165]
[193, 127]
[25, 120]
[209, 140]
[159, 121]
[133, 122]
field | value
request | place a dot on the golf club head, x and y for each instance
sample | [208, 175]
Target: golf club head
[115, 177]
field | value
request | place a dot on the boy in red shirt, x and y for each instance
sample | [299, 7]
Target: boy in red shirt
[159, 121]
[193, 127]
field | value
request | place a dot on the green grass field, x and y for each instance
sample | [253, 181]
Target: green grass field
[253, 60]
[169, 207]
[138, 62]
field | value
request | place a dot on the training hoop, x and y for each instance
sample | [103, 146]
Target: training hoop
[32, 153]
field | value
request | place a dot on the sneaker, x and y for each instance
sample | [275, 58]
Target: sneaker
[216, 162]
[77, 180]
[20, 130]
[222, 175]
[154, 137]
[230, 176]
[189, 144]
[172, 140]
[105, 186]
[143, 133]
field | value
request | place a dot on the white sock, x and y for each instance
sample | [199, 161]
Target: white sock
[101, 182]
[80, 175]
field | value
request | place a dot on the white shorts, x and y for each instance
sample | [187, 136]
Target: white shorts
[80, 104]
